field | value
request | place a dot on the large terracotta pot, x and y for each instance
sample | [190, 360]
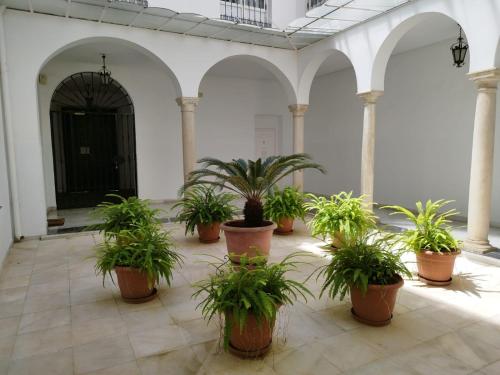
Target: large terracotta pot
[254, 340]
[208, 233]
[134, 285]
[255, 241]
[285, 226]
[376, 306]
[436, 268]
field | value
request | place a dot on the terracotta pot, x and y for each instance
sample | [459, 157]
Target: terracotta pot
[285, 226]
[436, 268]
[254, 340]
[208, 233]
[376, 306]
[134, 286]
[247, 241]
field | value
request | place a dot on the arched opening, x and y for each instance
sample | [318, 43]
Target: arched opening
[333, 127]
[243, 112]
[425, 119]
[93, 141]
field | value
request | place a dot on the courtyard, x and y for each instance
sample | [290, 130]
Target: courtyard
[57, 318]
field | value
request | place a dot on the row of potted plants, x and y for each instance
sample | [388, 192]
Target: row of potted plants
[364, 263]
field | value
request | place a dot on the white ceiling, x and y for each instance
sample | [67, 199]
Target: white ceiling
[433, 30]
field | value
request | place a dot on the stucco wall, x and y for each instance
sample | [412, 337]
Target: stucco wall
[225, 121]
[6, 236]
[423, 137]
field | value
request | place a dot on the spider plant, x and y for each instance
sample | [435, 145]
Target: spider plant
[144, 247]
[250, 179]
[370, 259]
[432, 230]
[340, 217]
[202, 205]
[240, 290]
[287, 203]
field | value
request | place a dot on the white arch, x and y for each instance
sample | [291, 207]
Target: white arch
[311, 69]
[385, 50]
[285, 79]
[85, 40]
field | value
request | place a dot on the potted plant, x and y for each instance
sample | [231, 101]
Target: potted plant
[282, 207]
[371, 272]
[202, 208]
[122, 214]
[431, 240]
[141, 256]
[248, 296]
[340, 218]
[252, 180]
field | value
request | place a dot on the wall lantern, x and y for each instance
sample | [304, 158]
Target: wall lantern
[459, 50]
[105, 73]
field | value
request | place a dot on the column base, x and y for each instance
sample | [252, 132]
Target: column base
[478, 246]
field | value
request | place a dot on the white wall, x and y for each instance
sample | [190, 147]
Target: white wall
[424, 132]
[225, 121]
[6, 236]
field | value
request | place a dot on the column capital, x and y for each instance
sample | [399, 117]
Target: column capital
[298, 109]
[370, 97]
[187, 104]
[486, 79]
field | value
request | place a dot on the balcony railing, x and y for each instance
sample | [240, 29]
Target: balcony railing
[314, 3]
[252, 12]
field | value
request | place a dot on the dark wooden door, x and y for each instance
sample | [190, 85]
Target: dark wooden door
[93, 161]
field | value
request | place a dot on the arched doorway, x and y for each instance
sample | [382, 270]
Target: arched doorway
[93, 141]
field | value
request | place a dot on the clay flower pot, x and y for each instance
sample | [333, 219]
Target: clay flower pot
[208, 233]
[285, 226]
[376, 306]
[436, 268]
[255, 241]
[254, 340]
[134, 285]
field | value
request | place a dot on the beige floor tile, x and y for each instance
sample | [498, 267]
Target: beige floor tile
[348, 351]
[43, 320]
[179, 362]
[49, 275]
[94, 310]
[42, 302]
[42, 342]
[420, 326]
[8, 326]
[493, 369]
[7, 282]
[129, 368]
[125, 307]
[87, 331]
[60, 363]
[304, 360]
[226, 364]
[59, 286]
[12, 294]
[387, 339]
[102, 354]
[158, 340]
[12, 270]
[90, 295]
[6, 346]
[10, 309]
[146, 319]
[4, 366]
[199, 331]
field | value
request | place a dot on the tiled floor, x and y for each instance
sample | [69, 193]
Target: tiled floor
[56, 318]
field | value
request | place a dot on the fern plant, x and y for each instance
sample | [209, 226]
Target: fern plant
[120, 214]
[240, 290]
[342, 216]
[368, 259]
[287, 203]
[250, 179]
[145, 247]
[432, 230]
[202, 205]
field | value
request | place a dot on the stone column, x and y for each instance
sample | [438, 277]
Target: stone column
[368, 146]
[188, 106]
[298, 111]
[481, 175]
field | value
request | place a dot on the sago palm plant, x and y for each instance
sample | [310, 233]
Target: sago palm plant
[251, 179]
